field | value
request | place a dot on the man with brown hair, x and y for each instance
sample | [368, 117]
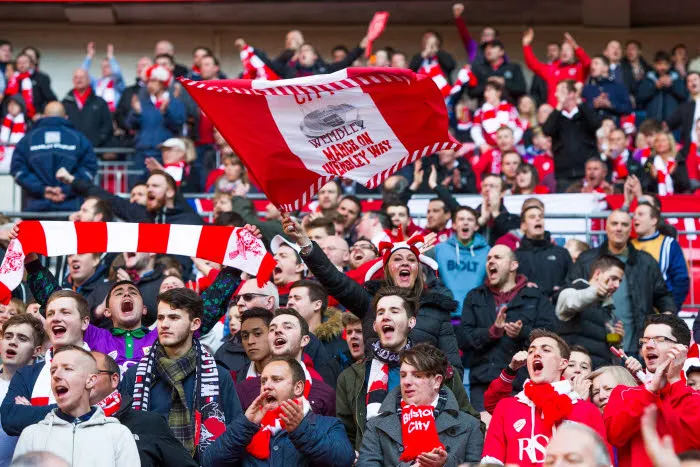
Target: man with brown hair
[29, 398]
[522, 425]
[430, 430]
[22, 340]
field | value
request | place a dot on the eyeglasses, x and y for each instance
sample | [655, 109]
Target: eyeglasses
[657, 339]
[363, 246]
[247, 297]
[107, 372]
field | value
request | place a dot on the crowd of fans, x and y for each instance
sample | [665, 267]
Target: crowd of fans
[477, 338]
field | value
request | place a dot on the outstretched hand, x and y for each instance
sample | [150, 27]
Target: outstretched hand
[293, 230]
[528, 36]
[660, 450]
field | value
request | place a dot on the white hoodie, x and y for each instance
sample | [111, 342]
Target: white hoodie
[99, 441]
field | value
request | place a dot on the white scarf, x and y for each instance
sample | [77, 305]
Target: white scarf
[663, 175]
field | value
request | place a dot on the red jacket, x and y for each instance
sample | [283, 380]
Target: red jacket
[679, 416]
[557, 71]
[517, 434]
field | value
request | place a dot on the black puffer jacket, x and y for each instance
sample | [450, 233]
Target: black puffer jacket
[433, 321]
[544, 263]
[646, 286]
[487, 357]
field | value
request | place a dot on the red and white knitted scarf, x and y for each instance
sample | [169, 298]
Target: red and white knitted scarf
[377, 387]
[111, 404]
[176, 170]
[620, 171]
[13, 129]
[465, 77]
[22, 83]
[432, 69]
[81, 97]
[230, 246]
[105, 89]
[159, 100]
[663, 175]
[270, 425]
[254, 67]
[490, 119]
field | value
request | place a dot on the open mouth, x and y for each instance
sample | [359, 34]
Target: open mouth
[61, 390]
[537, 366]
[652, 358]
[58, 331]
[388, 330]
[127, 306]
[279, 341]
[10, 353]
[355, 346]
[492, 271]
[270, 399]
[539, 226]
[404, 274]
[358, 256]
[75, 267]
[277, 270]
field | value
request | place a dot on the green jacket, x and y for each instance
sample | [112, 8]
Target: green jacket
[351, 408]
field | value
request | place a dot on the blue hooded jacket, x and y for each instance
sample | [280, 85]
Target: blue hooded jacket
[462, 268]
[52, 143]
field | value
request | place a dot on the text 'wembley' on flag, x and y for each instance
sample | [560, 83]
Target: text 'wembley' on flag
[296, 135]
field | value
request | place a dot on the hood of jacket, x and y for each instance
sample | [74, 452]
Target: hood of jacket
[53, 122]
[478, 242]
[98, 418]
[532, 244]
[331, 326]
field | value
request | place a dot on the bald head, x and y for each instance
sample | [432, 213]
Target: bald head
[164, 47]
[54, 109]
[501, 267]
[81, 79]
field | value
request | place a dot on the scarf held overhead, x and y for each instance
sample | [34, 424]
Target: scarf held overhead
[362, 124]
[230, 246]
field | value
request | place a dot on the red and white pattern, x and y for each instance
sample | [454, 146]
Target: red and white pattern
[229, 246]
[434, 72]
[105, 89]
[22, 83]
[254, 67]
[359, 123]
[465, 77]
[176, 171]
[663, 175]
[489, 119]
[12, 130]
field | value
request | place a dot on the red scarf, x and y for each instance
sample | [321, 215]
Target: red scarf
[176, 171]
[621, 172]
[22, 83]
[270, 425]
[663, 175]
[105, 89]
[555, 407]
[13, 129]
[81, 97]
[418, 431]
[159, 100]
[111, 404]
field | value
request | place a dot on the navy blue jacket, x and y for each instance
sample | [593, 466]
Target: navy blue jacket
[152, 126]
[52, 143]
[661, 103]
[16, 417]
[161, 393]
[318, 441]
[617, 93]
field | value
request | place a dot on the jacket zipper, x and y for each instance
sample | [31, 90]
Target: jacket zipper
[72, 454]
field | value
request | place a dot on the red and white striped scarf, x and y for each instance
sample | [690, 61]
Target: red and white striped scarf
[620, 172]
[159, 100]
[81, 97]
[254, 67]
[111, 404]
[105, 89]
[270, 425]
[13, 129]
[465, 77]
[491, 118]
[663, 175]
[22, 83]
[176, 171]
[230, 246]
[432, 70]
[377, 387]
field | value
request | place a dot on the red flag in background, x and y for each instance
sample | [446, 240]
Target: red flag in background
[296, 135]
[376, 28]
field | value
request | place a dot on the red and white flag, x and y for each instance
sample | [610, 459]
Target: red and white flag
[254, 67]
[229, 246]
[375, 29]
[296, 135]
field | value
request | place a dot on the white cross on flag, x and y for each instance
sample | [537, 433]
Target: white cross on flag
[296, 135]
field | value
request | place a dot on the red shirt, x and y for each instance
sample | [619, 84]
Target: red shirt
[517, 434]
[678, 416]
[556, 71]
